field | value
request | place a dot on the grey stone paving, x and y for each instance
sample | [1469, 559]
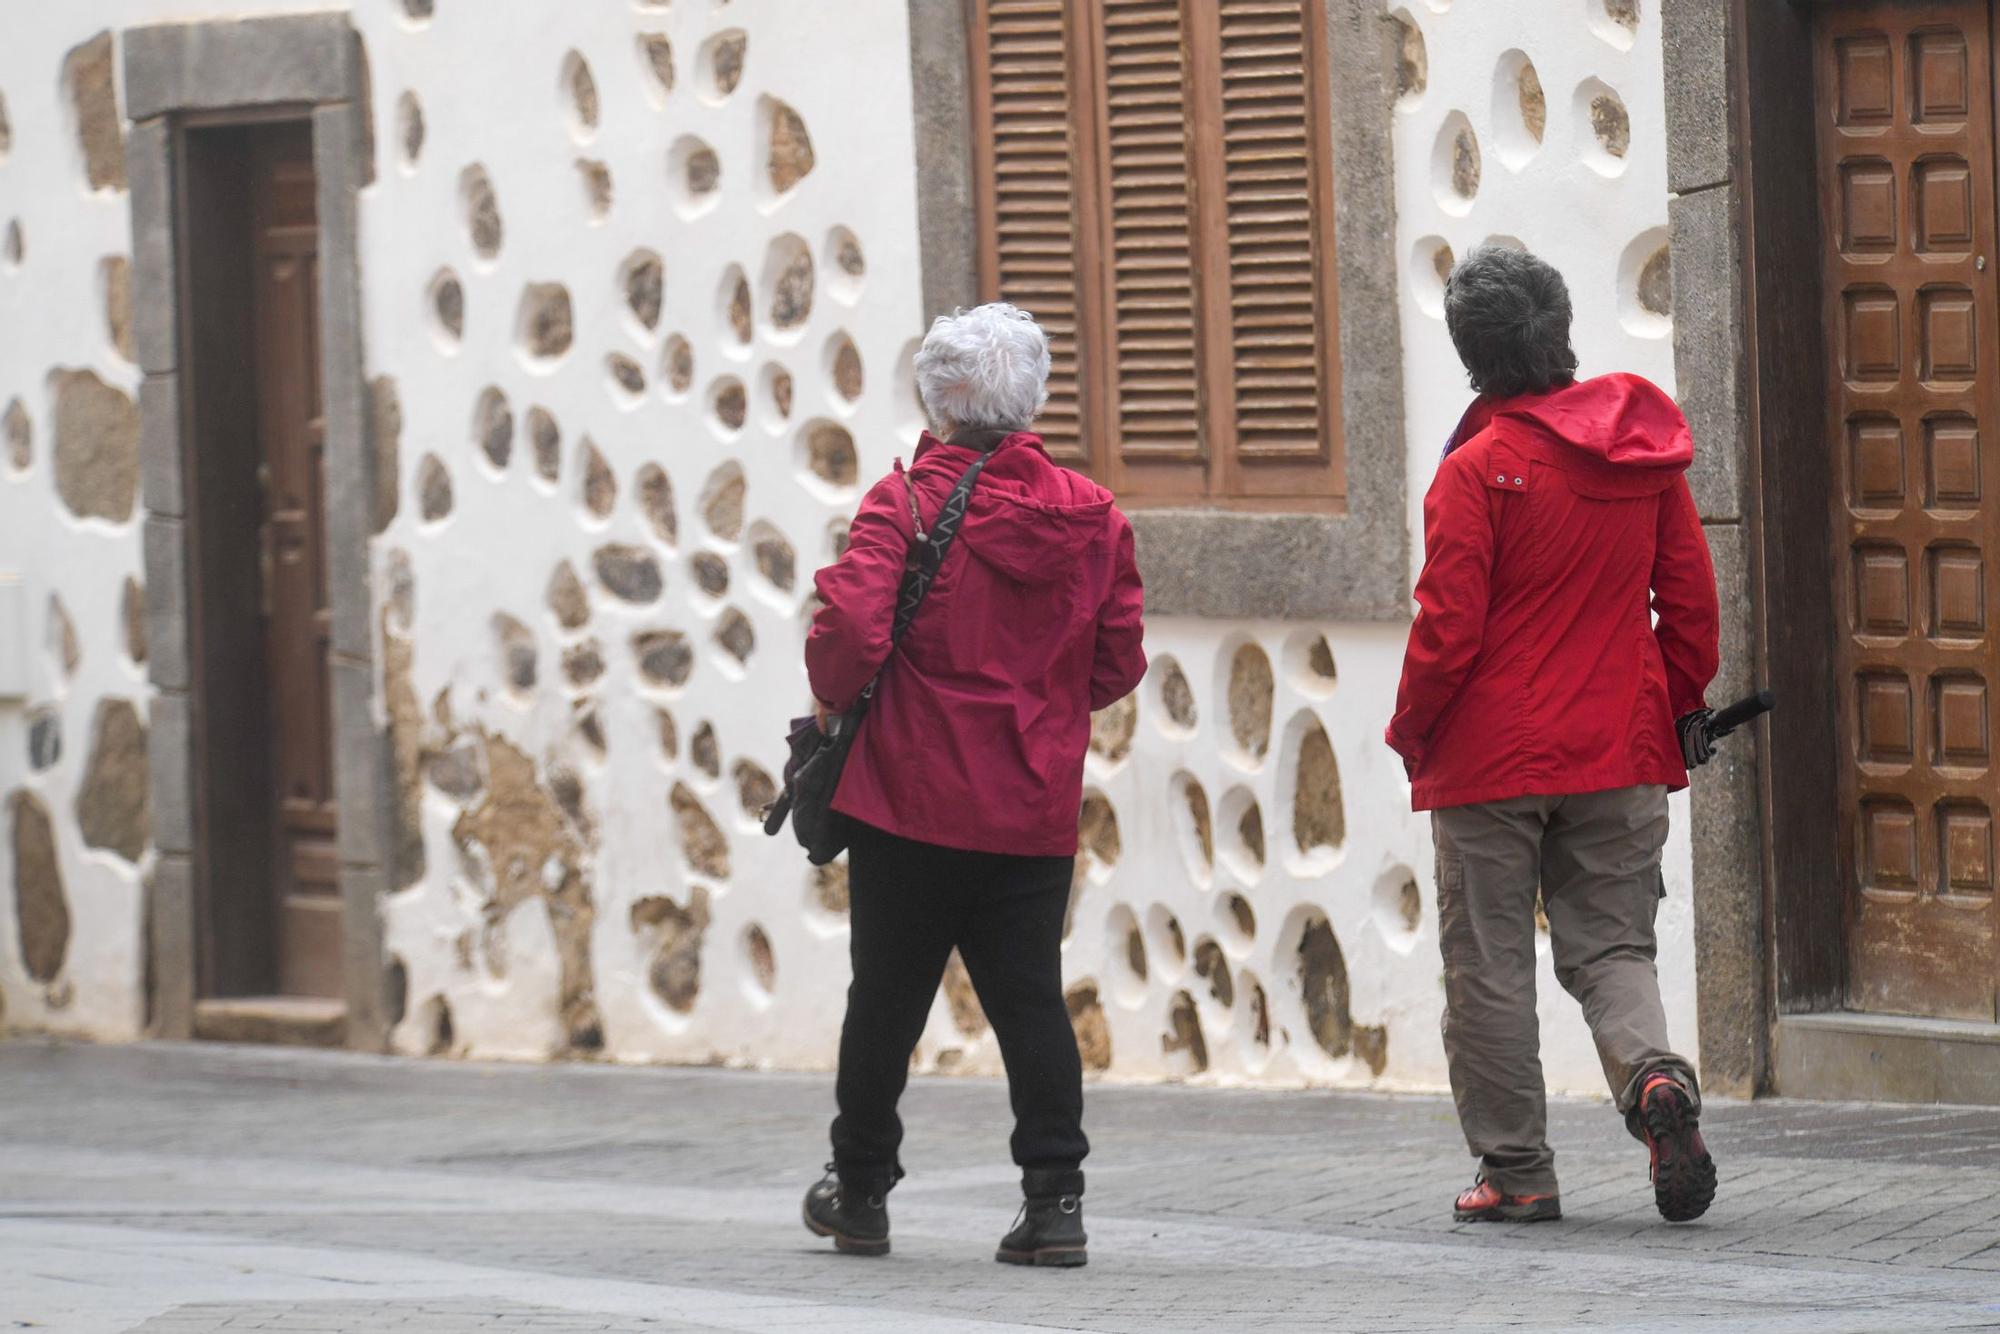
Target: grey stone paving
[184, 1189]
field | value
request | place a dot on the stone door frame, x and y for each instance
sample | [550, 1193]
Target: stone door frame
[310, 66]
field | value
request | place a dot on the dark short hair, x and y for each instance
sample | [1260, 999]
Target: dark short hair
[1508, 313]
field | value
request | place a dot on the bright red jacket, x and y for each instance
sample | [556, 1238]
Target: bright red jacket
[1537, 665]
[976, 735]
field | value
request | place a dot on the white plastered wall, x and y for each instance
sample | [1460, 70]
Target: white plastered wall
[496, 95]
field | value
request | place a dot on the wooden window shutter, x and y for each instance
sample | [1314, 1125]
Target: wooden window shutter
[1148, 243]
[1278, 200]
[1026, 175]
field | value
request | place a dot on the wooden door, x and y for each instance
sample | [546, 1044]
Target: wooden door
[297, 622]
[1906, 175]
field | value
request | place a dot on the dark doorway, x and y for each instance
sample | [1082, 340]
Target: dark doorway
[268, 867]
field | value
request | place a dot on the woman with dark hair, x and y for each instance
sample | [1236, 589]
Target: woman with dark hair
[966, 775]
[1551, 698]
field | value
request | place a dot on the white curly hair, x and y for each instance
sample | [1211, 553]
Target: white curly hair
[987, 367]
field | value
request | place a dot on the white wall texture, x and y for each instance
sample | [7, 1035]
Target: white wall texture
[702, 939]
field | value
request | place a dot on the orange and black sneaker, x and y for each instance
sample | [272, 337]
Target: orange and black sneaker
[1486, 1203]
[1683, 1173]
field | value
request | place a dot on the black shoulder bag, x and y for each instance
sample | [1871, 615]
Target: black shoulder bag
[812, 775]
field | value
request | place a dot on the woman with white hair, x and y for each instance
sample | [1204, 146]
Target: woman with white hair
[966, 775]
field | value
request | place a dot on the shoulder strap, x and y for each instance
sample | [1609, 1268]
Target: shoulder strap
[931, 547]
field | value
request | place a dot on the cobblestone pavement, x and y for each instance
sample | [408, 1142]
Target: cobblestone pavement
[179, 1189]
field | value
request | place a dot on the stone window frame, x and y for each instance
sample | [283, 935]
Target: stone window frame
[313, 66]
[1349, 566]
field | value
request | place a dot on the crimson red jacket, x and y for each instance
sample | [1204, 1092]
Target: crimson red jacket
[977, 732]
[1536, 666]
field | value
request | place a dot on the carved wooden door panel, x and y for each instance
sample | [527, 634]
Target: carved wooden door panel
[298, 624]
[1906, 175]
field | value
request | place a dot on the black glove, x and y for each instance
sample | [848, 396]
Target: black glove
[1697, 741]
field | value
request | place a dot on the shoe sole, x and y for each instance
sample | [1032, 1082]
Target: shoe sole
[1048, 1257]
[1541, 1211]
[843, 1243]
[1683, 1179]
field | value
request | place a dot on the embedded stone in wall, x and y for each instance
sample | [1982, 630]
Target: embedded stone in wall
[1319, 661]
[830, 453]
[44, 737]
[1097, 829]
[1319, 818]
[567, 599]
[1175, 694]
[448, 305]
[418, 10]
[114, 807]
[410, 121]
[545, 437]
[596, 179]
[16, 248]
[96, 446]
[791, 152]
[1135, 947]
[457, 772]
[656, 502]
[582, 92]
[65, 649]
[755, 788]
[722, 502]
[1410, 904]
[529, 851]
[735, 635]
[703, 170]
[1204, 833]
[385, 412]
[1112, 729]
[779, 382]
[732, 404]
[1250, 689]
[664, 657]
[583, 664]
[829, 887]
[517, 652]
[1250, 834]
[625, 374]
[589, 728]
[433, 489]
[846, 368]
[645, 283]
[669, 735]
[628, 573]
[41, 907]
[1623, 12]
[723, 55]
[1442, 261]
[739, 308]
[790, 271]
[1260, 1016]
[547, 323]
[132, 614]
[1184, 1032]
[1610, 123]
[763, 960]
[1656, 283]
[656, 53]
[87, 75]
[1371, 1044]
[1323, 988]
[1242, 915]
[704, 751]
[493, 426]
[1465, 163]
[677, 364]
[399, 607]
[711, 575]
[1086, 1017]
[1534, 103]
[482, 211]
[966, 1015]
[674, 973]
[406, 745]
[1413, 64]
[1213, 968]
[776, 560]
[600, 484]
[19, 433]
[702, 840]
[6, 130]
[115, 273]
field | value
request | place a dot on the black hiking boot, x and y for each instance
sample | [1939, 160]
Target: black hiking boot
[1683, 1173]
[854, 1213]
[1049, 1229]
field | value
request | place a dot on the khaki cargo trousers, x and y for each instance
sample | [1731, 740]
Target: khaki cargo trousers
[1596, 858]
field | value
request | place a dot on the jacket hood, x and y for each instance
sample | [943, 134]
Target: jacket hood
[1625, 420]
[1030, 518]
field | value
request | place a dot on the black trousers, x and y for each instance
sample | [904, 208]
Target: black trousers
[910, 903]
